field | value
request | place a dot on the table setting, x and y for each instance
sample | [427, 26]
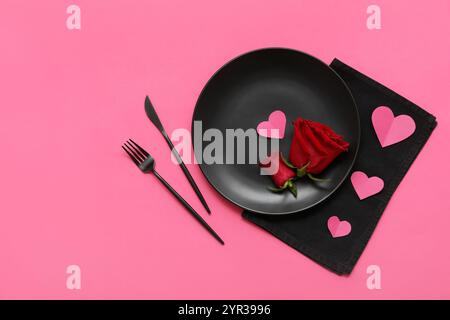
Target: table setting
[224, 150]
[343, 144]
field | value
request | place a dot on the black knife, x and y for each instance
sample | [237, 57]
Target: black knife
[151, 113]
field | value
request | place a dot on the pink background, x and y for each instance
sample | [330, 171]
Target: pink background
[69, 195]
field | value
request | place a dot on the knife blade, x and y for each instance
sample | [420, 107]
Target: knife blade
[153, 116]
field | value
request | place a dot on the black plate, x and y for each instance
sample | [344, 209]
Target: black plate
[245, 91]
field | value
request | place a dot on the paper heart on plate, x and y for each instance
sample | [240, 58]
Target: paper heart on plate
[274, 127]
[391, 129]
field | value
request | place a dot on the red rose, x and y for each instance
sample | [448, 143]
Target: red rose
[314, 146]
[284, 177]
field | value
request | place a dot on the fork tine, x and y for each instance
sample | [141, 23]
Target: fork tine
[131, 156]
[140, 148]
[135, 148]
[136, 154]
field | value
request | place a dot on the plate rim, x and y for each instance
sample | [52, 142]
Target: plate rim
[354, 106]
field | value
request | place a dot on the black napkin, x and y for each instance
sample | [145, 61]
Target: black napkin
[307, 232]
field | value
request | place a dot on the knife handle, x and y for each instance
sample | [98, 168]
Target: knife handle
[189, 208]
[186, 171]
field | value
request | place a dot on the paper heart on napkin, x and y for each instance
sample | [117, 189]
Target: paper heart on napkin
[391, 129]
[338, 228]
[274, 127]
[365, 186]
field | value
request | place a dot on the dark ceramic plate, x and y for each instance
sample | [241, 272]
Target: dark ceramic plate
[244, 92]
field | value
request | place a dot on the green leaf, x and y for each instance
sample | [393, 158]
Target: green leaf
[286, 162]
[302, 171]
[273, 189]
[305, 166]
[283, 187]
[290, 185]
[292, 188]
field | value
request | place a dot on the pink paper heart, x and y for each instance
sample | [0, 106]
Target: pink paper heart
[365, 186]
[338, 228]
[390, 129]
[274, 127]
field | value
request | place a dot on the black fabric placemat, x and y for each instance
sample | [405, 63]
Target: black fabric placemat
[307, 231]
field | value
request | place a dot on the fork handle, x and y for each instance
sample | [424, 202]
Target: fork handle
[188, 207]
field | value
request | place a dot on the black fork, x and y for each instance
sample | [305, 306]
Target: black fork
[145, 162]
